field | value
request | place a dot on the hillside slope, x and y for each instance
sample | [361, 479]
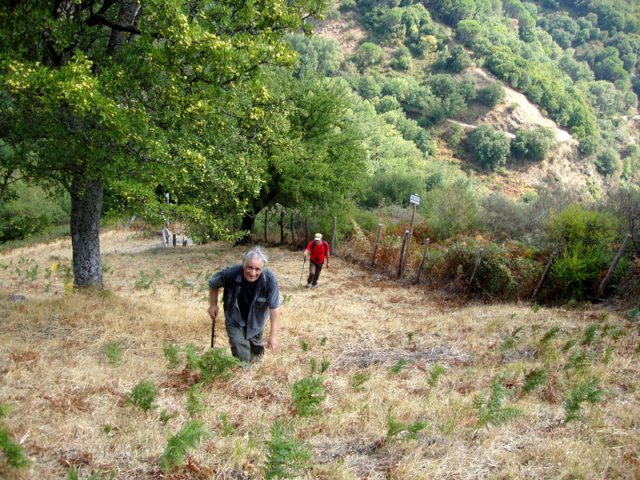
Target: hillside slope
[406, 371]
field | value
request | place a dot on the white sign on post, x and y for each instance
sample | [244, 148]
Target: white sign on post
[414, 199]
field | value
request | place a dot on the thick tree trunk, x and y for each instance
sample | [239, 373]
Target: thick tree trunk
[248, 221]
[86, 203]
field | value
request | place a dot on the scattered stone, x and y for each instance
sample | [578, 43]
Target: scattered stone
[18, 298]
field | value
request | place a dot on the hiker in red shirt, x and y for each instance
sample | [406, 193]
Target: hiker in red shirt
[318, 252]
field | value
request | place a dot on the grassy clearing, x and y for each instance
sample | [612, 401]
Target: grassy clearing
[404, 383]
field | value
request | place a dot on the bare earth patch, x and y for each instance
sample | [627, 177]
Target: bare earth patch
[382, 341]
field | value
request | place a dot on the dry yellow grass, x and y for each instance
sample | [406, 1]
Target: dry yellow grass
[69, 400]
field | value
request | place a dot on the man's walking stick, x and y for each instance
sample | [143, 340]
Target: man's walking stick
[213, 332]
[302, 270]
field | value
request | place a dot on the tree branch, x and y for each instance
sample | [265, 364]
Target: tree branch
[98, 19]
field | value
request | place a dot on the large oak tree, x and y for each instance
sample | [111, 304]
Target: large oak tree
[132, 94]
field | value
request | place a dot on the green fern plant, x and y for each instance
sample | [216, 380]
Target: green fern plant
[287, 457]
[534, 379]
[179, 444]
[307, 394]
[491, 410]
[143, 395]
[589, 392]
[395, 428]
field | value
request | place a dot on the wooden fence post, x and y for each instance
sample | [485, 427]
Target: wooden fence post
[293, 237]
[413, 216]
[281, 226]
[607, 278]
[475, 270]
[405, 238]
[375, 245]
[175, 238]
[544, 275]
[333, 235]
[424, 258]
[266, 221]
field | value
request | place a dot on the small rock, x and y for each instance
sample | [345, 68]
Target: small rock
[18, 298]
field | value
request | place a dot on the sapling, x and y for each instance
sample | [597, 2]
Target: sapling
[171, 354]
[397, 368]
[214, 363]
[307, 394]
[324, 365]
[113, 351]
[591, 334]
[534, 379]
[490, 408]
[227, 427]
[179, 444]
[585, 392]
[395, 428]
[13, 453]
[358, 380]
[510, 341]
[143, 395]
[436, 372]
[195, 403]
[550, 334]
[287, 457]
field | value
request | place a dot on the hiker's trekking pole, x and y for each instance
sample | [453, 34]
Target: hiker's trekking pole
[304, 261]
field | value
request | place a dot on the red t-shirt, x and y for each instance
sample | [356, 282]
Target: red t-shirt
[318, 252]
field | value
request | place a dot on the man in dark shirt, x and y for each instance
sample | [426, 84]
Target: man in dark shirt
[251, 294]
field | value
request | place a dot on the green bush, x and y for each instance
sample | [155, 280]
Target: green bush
[578, 225]
[575, 271]
[607, 162]
[491, 95]
[504, 271]
[488, 147]
[532, 144]
[452, 209]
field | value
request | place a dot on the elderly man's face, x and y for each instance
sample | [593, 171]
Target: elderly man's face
[252, 269]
